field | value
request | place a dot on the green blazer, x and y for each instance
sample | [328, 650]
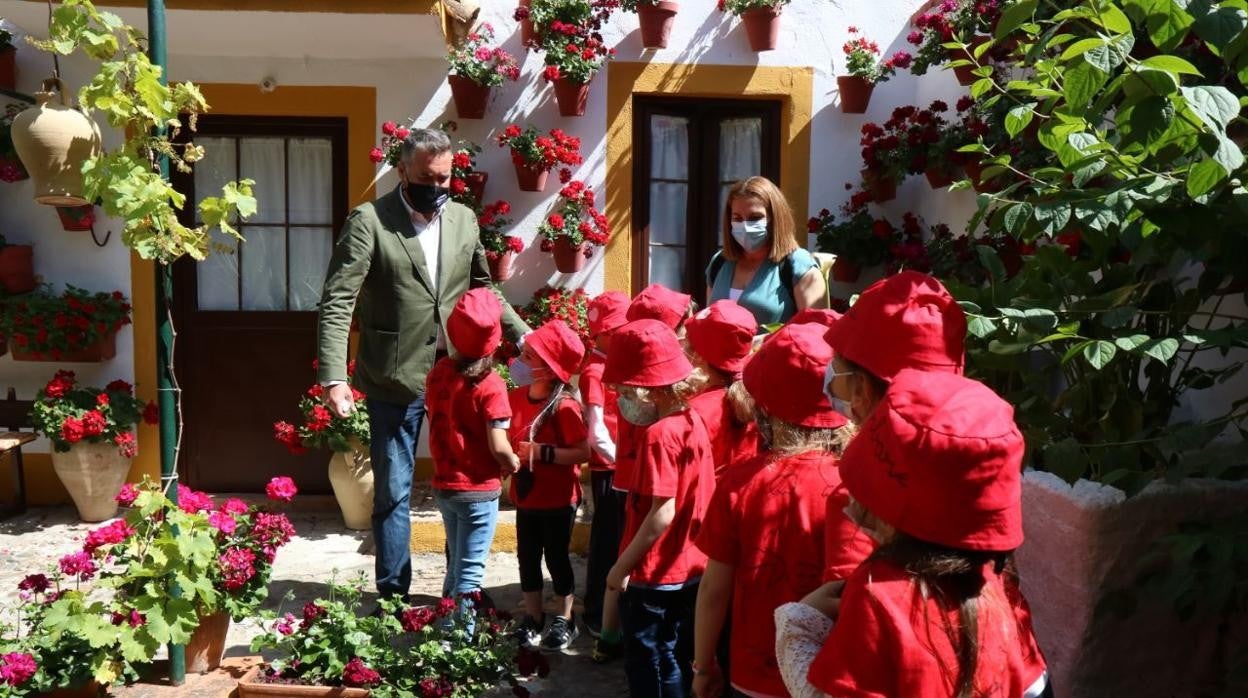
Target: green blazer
[379, 261]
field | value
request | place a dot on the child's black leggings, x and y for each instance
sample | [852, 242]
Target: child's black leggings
[545, 532]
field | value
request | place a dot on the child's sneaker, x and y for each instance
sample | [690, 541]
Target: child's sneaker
[607, 651]
[560, 634]
[594, 628]
[529, 632]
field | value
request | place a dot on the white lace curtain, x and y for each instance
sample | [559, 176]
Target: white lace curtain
[669, 199]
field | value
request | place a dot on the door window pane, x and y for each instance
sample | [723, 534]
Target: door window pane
[740, 149]
[264, 160]
[667, 267]
[669, 147]
[309, 259]
[218, 274]
[311, 181]
[669, 209]
[264, 268]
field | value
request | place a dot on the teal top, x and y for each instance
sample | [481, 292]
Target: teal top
[765, 295]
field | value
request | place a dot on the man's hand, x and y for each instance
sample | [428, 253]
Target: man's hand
[617, 579]
[340, 400]
[708, 682]
[826, 599]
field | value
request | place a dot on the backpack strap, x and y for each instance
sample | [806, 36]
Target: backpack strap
[717, 263]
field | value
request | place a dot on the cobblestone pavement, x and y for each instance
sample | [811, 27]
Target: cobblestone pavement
[321, 549]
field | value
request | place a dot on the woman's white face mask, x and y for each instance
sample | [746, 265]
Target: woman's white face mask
[750, 235]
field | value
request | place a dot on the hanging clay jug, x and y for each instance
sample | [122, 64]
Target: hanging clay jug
[53, 140]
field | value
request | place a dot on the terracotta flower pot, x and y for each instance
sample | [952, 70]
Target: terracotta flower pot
[656, 22]
[250, 686]
[845, 271]
[855, 92]
[476, 184]
[938, 178]
[8, 68]
[351, 476]
[572, 97]
[17, 273]
[528, 35]
[207, 645]
[93, 474]
[500, 266]
[470, 98]
[762, 26]
[569, 259]
[76, 218]
[529, 179]
[964, 72]
[882, 188]
[103, 349]
[53, 141]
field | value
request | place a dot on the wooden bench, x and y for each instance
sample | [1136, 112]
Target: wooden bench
[15, 416]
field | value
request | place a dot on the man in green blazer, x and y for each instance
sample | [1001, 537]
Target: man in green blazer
[401, 264]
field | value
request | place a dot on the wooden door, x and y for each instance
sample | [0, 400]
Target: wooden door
[246, 317]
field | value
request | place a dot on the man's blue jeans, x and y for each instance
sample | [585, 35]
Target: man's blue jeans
[395, 431]
[469, 533]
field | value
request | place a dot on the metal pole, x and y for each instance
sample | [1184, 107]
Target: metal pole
[167, 395]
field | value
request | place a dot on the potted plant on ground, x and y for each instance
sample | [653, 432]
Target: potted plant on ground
[575, 52]
[8, 61]
[865, 72]
[74, 326]
[535, 155]
[761, 19]
[17, 271]
[574, 228]
[500, 248]
[350, 466]
[476, 67]
[656, 18]
[11, 168]
[858, 240]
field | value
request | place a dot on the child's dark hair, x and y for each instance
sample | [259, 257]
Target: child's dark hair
[475, 369]
[955, 579]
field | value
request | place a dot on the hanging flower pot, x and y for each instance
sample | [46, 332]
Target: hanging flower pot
[882, 188]
[17, 268]
[8, 67]
[76, 218]
[476, 184]
[569, 258]
[530, 179]
[762, 27]
[207, 644]
[855, 92]
[351, 476]
[845, 271]
[528, 34]
[975, 172]
[656, 19]
[12, 171]
[964, 73]
[572, 97]
[92, 473]
[53, 141]
[500, 265]
[938, 177]
[101, 349]
[470, 98]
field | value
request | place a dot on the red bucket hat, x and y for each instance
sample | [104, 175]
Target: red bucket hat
[646, 353]
[723, 335]
[815, 316]
[785, 377]
[904, 321]
[606, 312]
[559, 347]
[657, 302]
[941, 460]
[473, 326]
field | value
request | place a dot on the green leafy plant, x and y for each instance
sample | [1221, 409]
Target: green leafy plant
[127, 90]
[739, 7]
[862, 59]
[321, 428]
[550, 303]
[67, 414]
[575, 219]
[6, 39]
[856, 238]
[477, 61]
[53, 325]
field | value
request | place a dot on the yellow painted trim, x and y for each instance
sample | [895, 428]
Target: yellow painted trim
[390, 7]
[793, 86]
[357, 104]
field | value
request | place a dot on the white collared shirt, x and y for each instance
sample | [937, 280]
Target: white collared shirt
[430, 237]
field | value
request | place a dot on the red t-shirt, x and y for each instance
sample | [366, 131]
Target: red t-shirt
[554, 486]
[766, 520]
[889, 641]
[673, 460]
[628, 436]
[596, 393]
[845, 544]
[730, 441]
[459, 415]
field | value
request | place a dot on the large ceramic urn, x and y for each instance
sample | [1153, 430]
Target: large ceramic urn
[53, 141]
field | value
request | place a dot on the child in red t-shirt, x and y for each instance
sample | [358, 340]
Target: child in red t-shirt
[548, 433]
[605, 314]
[660, 566]
[720, 339]
[468, 418]
[935, 476]
[764, 531]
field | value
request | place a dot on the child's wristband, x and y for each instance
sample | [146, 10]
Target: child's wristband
[548, 453]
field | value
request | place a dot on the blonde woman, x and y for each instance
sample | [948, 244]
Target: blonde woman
[761, 264]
